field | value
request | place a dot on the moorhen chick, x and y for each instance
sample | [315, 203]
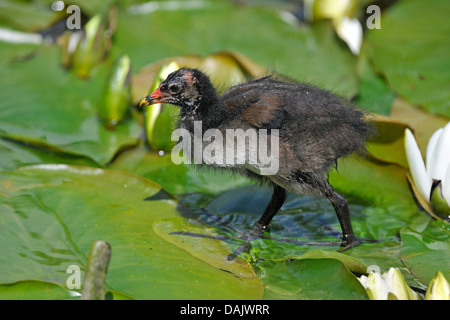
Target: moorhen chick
[315, 128]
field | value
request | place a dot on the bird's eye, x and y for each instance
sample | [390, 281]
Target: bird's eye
[174, 88]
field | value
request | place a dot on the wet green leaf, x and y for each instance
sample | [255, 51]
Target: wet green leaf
[212, 251]
[28, 17]
[174, 178]
[51, 214]
[374, 94]
[376, 181]
[15, 154]
[426, 250]
[351, 263]
[319, 279]
[35, 290]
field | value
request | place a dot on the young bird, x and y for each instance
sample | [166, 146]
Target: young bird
[315, 128]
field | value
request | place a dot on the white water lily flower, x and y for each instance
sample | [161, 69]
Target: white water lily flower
[389, 286]
[437, 169]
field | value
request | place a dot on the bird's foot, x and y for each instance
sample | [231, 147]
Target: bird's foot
[252, 234]
[350, 241]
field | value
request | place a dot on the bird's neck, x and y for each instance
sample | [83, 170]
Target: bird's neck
[207, 109]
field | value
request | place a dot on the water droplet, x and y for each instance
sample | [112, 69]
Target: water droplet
[58, 5]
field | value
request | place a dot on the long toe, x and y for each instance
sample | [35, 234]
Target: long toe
[245, 247]
[351, 242]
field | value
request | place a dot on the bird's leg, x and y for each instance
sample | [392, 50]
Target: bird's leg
[349, 239]
[277, 200]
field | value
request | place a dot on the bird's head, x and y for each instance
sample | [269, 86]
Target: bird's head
[184, 87]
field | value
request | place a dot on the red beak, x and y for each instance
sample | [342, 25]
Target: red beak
[155, 97]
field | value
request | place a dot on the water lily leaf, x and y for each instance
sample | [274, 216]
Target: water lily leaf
[377, 181]
[52, 213]
[30, 17]
[176, 179]
[411, 32]
[324, 279]
[427, 251]
[351, 263]
[35, 290]
[41, 102]
[211, 251]
[15, 154]
[374, 94]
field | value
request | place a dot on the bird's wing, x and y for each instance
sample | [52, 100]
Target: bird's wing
[259, 108]
[265, 113]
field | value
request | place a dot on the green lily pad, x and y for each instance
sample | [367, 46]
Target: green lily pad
[176, 179]
[351, 263]
[211, 251]
[26, 17]
[35, 290]
[379, 182]
[411, 50]
[52, 213]
[374, 94]
[15, 154]
[426, 251]
[318, 279]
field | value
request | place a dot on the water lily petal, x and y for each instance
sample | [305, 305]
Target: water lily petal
[376, 287]
[350, 30]
[397, 285]
[430, 148]
[416, 165]
[446, 186]
[440, 158]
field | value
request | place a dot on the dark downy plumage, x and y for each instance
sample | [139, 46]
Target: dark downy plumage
[315, 129]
